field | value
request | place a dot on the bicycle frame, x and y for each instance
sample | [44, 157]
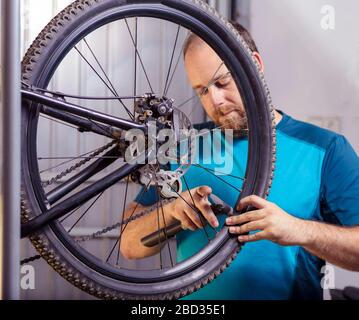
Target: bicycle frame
[83, 118]
[73, 111]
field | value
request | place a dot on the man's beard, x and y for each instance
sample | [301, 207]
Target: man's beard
[236, 121]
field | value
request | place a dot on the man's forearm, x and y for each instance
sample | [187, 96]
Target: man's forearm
[131, 246]
[335, 244]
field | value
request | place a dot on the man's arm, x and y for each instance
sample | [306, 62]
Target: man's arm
[178, 210]
[130, 245]
[335, 244]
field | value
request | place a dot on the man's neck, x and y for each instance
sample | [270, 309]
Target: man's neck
[278, 117]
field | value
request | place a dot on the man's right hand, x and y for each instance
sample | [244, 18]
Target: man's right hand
[197, 198]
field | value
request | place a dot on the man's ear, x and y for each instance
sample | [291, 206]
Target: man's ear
[258, 57]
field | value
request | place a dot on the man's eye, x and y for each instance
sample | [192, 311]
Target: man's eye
[223, 82]
[203, 91]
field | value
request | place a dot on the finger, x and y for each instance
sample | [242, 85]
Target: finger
[193, 217]
[253, 237]
[207, 212]
[245, 217]
[251, 226]
[203, 191]
[204, 206]
[253, 201]
[199, 209]
[183, 213]
[188, 224]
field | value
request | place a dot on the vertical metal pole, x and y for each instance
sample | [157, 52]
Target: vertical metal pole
[10, 54]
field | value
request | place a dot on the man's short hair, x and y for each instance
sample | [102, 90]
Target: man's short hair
[243, 32]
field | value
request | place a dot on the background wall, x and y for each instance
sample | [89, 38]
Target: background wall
[313, 73]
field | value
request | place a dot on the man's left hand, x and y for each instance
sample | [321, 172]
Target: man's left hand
[272, 222]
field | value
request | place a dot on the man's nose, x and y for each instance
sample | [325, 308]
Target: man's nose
[216, 95]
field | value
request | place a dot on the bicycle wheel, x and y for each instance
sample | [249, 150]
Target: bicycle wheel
[74, 37]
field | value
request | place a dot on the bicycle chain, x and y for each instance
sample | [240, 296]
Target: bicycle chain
[124, 222]
[77, 165]
[99, 233]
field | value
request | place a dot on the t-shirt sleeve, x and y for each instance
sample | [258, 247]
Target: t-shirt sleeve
[340, 183]
[147, 198]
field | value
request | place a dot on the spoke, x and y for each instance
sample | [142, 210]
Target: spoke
[66, 95]
[159, 226]
[170, 66]
[78, 123]
[77, 199]
[194, 208]
[228, 175]
[239, 190]
[135, 59]
[69, 215]
[99, 64]
[113, 248]
[188, 100]
[79, 111]
[82, 176]
[123, 216]
[108, 79]
[178, 60]
[138, 55]
[186, 139]
[104, 82]
[87, 210]
[215, 74]
[174, 71]
[144, 190]
[106, 130]
[164, 222]
[94, 70]
[196, 95]
[194, 108]
[72, 159]
[199, 135]
[194, 204]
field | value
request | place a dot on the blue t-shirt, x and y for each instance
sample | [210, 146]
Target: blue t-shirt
[316, 178]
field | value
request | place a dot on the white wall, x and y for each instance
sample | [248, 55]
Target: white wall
[313, 74]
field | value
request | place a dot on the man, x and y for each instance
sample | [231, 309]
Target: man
[311, 215]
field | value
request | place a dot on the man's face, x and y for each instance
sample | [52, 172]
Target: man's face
[221, 100]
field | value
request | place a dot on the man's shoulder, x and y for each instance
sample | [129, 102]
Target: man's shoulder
[308, 133]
